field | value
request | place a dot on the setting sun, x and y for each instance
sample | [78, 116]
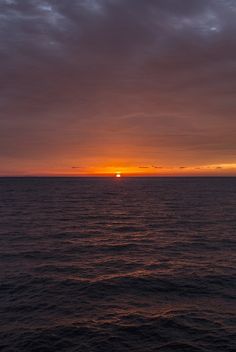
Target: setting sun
[118, 174]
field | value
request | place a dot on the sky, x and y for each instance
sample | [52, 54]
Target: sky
[94, 87]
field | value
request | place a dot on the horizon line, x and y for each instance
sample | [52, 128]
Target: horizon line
[113, 176]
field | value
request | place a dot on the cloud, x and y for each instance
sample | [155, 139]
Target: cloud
[154, 78]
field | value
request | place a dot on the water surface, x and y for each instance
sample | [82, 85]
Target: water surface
[131, 264]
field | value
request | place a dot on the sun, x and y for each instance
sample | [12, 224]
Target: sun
[118, 174]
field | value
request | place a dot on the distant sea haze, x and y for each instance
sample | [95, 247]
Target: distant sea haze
[116, 265]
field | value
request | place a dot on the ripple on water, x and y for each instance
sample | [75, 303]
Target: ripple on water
[138, 265]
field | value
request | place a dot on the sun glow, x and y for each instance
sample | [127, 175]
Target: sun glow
[118, 174]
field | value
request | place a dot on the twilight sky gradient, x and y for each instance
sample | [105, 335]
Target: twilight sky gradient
[137, 86]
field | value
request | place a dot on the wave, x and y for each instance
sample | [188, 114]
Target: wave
[174, 331]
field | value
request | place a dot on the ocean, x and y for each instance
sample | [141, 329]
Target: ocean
[129, 264]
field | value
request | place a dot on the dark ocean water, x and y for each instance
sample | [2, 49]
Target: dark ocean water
[139, 264]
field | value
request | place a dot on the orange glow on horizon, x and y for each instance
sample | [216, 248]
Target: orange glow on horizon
[119, 168]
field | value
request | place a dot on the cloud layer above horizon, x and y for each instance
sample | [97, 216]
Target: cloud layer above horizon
[103, 82]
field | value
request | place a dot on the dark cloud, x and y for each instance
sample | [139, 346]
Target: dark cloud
[156, 78]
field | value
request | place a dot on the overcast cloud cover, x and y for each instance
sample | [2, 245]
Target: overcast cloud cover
[150, 81]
